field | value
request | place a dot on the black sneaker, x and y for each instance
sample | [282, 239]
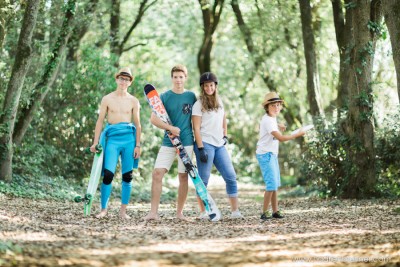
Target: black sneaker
[277, 215]
[266, 215]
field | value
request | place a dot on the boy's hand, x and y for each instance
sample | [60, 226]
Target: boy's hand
[93, 148]
[136, 153]
[282, 127]
[301, 132]
[175, 131]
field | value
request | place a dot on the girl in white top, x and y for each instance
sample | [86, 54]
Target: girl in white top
[267, 152]
[210, 130]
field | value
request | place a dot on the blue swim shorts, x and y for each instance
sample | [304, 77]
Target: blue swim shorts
[270, 170]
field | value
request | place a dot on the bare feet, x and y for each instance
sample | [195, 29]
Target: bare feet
[122, 212]
[180, 216]
[102, 214]
[152, 216]
[124, 216]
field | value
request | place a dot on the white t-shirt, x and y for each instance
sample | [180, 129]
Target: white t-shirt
[211, 128]
[267, 142]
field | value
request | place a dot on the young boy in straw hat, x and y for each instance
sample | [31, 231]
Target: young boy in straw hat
[120, 137]
[267, 153]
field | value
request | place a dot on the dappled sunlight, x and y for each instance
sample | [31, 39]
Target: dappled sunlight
[335, 64]
[313, 233]
[22, 236]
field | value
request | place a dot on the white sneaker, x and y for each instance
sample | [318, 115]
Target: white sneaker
[236, 215]
[204, 216]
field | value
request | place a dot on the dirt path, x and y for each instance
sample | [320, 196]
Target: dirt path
[314, 233]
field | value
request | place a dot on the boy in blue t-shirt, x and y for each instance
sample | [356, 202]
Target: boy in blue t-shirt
[178, 102]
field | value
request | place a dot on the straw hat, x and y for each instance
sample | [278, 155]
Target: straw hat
[271, 97]
[126, 72]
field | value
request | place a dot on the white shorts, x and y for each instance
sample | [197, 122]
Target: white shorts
[166, 156]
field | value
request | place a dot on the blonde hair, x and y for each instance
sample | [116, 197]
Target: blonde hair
[209, 102]
[179, 68]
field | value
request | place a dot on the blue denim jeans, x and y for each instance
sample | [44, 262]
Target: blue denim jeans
[220, 158]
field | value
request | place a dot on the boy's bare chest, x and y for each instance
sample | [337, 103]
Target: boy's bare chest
[122, 106]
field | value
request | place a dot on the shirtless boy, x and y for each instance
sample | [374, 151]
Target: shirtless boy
[120, 137]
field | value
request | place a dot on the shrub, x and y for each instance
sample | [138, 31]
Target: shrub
[324, 160]
[326, 164]
[388, 155]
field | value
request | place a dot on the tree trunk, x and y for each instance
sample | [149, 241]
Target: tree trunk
[114, 28]
[391, 10]
[49, 76]
[359, 125]
[342, 30]
[313, 84]
[81, 28]
[204, 55]
[11, 101]
[210, 22]
[2, 31]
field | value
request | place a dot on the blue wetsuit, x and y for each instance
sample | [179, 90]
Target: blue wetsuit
[118, 139]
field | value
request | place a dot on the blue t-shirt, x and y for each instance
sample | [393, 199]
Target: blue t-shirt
[179, 109]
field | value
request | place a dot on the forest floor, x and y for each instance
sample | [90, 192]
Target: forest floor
[314, 232]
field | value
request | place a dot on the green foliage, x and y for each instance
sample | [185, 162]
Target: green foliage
[61, 189]
[364, 99]
[288, 181]
[300, 191]
[328, 168]
[365, 54]
[350, 5]
[245, 166]
[64, 125]
[9, 247]
[396, 210]
[141, 191]
[388, 154]
[325, 161]
[377, 28]
[69, 7]
[43, 187]
[71, 110]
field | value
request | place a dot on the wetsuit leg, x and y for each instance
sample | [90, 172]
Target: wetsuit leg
[126, 187]
[106, 188]
[111, 154]
[127, 162]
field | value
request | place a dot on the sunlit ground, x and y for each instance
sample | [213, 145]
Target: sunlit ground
[313, 233]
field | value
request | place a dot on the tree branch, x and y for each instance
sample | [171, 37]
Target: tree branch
[142, 9]
[133, 46]
[338, 19]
